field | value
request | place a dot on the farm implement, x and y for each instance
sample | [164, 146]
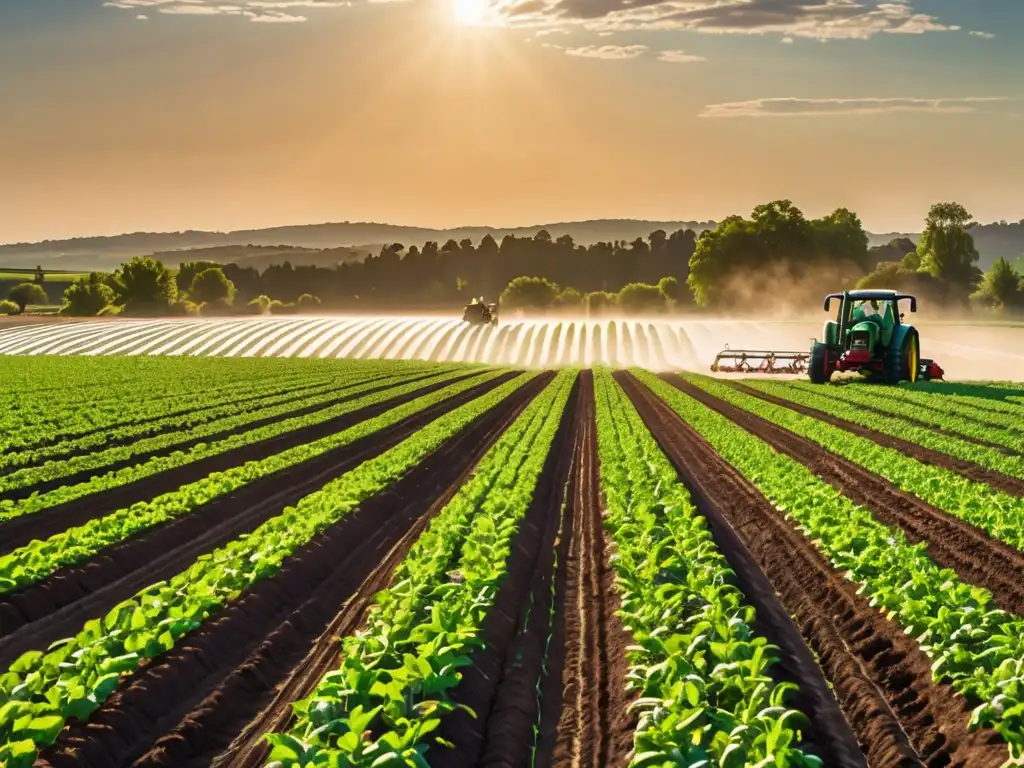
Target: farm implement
[867, 337]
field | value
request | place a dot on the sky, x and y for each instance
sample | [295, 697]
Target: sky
[164, 115]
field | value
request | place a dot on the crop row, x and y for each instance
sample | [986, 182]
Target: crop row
[850, 408]
[70, 679]
[699, 669]
[976, 647]
[1000, 514]
[97, 460]
[950, 405]
[90, 396]
[38, 559]
[999, 398]
[204, 411]
[10, 508]
[391, 689]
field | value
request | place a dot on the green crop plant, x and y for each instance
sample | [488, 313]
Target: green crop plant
[72, 678]
[974, 646]
[703, 677]
[35, 561]
[849, 408]
[999, 514]
[391, 689]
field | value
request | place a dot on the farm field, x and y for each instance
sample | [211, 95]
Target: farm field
[294, 560]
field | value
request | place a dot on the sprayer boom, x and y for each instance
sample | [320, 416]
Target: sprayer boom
[755, 361]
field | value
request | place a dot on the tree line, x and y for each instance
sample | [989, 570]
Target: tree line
[743, 264]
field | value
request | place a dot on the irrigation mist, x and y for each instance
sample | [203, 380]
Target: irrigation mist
[657, 343]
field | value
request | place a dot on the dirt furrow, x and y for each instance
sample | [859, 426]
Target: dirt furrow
[275, 642]
[62, 602]
[968, 469]
[594, 727]
[880, 677]
[46, 522]
[975, 556]
[500, 685]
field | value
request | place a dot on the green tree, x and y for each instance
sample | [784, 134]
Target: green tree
[598, 302]
[674, 293]
[641, 298]
[259, 306]
[529, 293]
[87, 296]
[8, 307]
[27, 293]
[946, 247]
[840, 236]
[40, 277]
[308, 303]
[145, 287]
[188, 270]
[569, 299]
[210, 286]
[1000, 288]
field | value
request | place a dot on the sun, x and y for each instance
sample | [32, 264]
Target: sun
[471, 13]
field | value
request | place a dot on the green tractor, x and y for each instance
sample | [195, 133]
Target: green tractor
[869, 337]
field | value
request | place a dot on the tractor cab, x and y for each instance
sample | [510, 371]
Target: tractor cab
[868, 336]
[479, 313]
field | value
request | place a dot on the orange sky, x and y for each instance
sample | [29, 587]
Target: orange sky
[394, 112]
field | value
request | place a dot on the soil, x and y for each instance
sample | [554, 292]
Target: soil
[60, 604]
[879, 676]
[210, 699]
[968, 469]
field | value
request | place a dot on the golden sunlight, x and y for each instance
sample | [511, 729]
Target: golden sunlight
[471, 13]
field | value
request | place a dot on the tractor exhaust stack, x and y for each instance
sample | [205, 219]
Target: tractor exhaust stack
[758, 361]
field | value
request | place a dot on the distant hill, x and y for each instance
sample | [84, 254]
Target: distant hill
[326, 244]
[107, 252]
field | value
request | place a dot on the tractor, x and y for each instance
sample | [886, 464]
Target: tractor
[479, 313]
[867, 337]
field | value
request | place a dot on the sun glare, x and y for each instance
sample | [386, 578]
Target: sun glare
[471, 13]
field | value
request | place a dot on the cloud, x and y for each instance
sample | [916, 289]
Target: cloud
[679, 57]
[816, 19]
[142, 17]
[794, 107]
[607, 51]
[262, 11]
[985, 35]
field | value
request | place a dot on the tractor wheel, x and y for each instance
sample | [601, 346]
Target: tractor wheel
[902, 364]
[817, 366]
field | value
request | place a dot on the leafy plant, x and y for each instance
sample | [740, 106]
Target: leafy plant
[974, 646]
[702, 676]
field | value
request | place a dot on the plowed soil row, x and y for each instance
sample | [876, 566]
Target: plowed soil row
[289, 394]
[234, 678]
[968, 469]
[880, 677]
[585, 721]
[975, 556]
[45, 523]
[549, 686]
[60, 604]
[139, 458]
